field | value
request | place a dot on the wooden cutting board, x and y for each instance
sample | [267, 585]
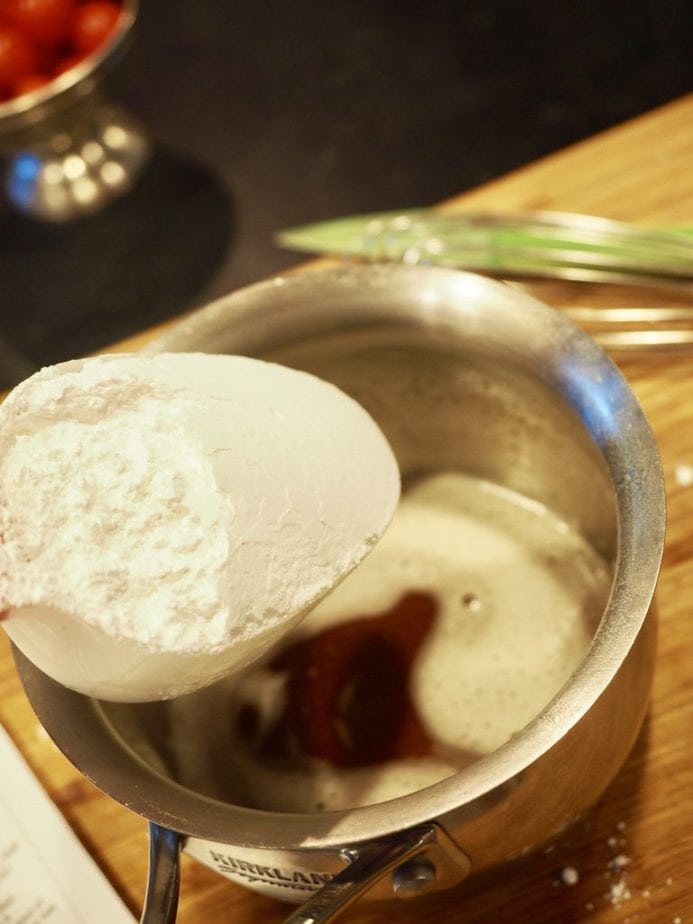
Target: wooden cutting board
[631, 858]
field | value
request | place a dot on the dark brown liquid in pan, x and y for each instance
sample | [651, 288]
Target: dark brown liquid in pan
[348, 695]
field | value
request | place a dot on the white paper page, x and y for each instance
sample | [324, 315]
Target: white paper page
[46, 875]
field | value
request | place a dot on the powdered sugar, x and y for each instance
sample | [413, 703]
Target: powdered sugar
[569, 876]
[143, 485]
[179, 505]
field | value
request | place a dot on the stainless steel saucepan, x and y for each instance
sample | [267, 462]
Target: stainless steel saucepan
[461, 373]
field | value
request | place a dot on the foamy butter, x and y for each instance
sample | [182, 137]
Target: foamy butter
[520, 593]
[165, 519]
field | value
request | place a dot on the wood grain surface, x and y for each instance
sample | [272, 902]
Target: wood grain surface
[640, 172]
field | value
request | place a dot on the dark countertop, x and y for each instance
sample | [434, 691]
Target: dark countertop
[270, 115]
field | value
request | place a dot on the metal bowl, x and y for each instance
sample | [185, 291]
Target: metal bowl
[515, 394]
[69, 150]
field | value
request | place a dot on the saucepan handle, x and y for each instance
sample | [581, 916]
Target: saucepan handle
[404, 859]
[161, 899]
[364, 870]
[415, 861]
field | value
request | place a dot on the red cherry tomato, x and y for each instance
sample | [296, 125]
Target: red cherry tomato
[66, 64]
[93, 24]
[17, 56]
[46, 23]
[30, 83]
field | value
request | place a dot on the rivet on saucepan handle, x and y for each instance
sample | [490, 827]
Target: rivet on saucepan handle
[417, 877]
[161, 900]
[410, 859]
